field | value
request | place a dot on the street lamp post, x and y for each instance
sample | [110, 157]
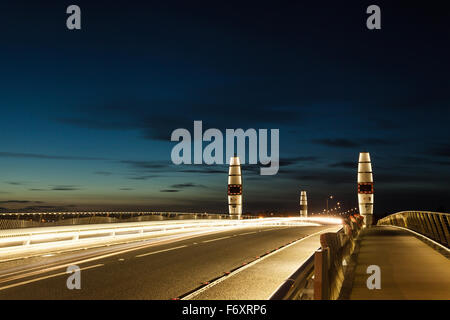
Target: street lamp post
[329, 197]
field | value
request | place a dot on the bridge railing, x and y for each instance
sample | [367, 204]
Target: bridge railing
[49, 219]
[433, 225]
[332, 259]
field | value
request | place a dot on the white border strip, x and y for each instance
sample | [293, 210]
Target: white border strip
[212, 284]
[290, 276]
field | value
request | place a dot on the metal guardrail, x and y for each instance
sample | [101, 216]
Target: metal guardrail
[329, 264]
[47, 219]
[434, 225]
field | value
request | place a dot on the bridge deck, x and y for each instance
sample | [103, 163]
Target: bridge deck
[410, 269]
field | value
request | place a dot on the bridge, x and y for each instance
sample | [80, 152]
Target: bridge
[200, 256]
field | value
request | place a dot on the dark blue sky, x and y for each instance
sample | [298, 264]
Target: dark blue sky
[87, 115]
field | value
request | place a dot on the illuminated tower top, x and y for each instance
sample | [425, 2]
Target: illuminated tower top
[235, 187]
[365, 187]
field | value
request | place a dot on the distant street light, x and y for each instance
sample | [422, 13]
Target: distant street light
[329, 197]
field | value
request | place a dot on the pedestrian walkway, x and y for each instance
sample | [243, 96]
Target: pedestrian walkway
[410, 269]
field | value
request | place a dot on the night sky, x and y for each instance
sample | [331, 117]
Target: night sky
[86, 115]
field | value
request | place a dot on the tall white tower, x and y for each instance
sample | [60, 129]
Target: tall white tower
[303, 204]
[365, 188]
[235, 188]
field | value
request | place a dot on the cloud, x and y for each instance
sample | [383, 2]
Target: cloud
[377, 142]
[178, 187]
[344, 164]
[167, 167]
[205, 170]
[91, 123]
[186, 185]
[340, 175]
[442, 151]
[65, 188]
[324, 176]
[45, 156]
[296, 160]
[37, 189]
[156, 119]
[250, 168]
[384, 124]
[307, 177]
[414, 161]
[15, 183]
[410, 177]
[126, 189]
[338, 143]
[144, 177]
[15, 201]
[146, 164]
[19, 201]
[347, 143]
[442, 163]
[282, 164]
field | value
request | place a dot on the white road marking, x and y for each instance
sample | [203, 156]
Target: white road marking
[243, 234]
[216, 239]
[46, 277]
[159, 251]
[279, 228]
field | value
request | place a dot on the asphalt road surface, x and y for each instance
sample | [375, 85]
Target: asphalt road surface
[144, 270]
